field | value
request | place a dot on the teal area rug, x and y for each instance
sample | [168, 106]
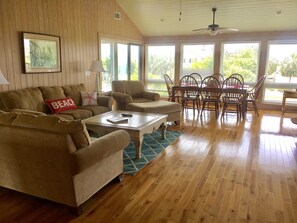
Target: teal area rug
[152, 145]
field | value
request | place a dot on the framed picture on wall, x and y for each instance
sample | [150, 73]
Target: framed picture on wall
[42, 53]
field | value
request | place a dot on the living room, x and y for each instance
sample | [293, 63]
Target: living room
[265, 183]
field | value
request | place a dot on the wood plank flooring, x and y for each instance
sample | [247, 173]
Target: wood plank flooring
[217, 171]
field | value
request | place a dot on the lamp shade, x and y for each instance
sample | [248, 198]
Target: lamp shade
[96, 66]
[2, 79]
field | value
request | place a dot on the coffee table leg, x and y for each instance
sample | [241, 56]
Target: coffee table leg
[138, 144]
[163, 128]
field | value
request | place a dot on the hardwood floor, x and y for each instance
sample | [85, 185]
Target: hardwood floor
[217, 171]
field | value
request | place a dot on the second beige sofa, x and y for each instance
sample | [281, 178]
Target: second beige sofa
[32, 100]
[55, 159]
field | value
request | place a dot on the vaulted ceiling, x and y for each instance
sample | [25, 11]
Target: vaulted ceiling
[161, 17]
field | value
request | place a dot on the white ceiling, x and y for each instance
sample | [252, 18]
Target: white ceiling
[161, 17]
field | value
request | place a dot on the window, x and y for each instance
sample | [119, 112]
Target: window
[107, 57]
[122, 55]
[242, 58]
[122, 61]
[160, 61]
[135, 62]
[197, 58]
[281, 71]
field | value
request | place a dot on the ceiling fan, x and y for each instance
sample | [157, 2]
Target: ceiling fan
[214, 28]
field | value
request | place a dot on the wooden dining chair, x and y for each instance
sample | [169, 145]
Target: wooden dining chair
[189, 97]
[197, 77]
[239, 77]
[169, 85]
[253, 93]
[210, 93]
[231, 100]
[219, 76]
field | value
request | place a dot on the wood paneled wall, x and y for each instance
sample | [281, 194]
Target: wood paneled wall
[77, 22]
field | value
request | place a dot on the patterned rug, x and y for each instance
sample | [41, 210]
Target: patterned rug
[152, 145]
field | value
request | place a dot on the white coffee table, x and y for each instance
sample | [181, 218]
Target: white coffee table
[137, 125]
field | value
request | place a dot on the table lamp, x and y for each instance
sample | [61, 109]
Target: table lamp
[2, 79]
[97, 67]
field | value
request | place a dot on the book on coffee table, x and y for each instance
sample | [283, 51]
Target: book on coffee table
[117, 120]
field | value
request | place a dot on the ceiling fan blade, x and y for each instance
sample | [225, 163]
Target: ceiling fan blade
[198, 30]
[215, 28]
[229, 29]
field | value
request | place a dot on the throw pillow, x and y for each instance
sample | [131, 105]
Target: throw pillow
[89, 98]
[60, 105]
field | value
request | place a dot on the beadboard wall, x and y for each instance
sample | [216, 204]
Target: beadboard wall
[77, 22]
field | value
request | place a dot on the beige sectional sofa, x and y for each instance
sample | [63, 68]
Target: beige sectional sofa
[55, 159]
[132, 96]
[126, 92]
[32, 100]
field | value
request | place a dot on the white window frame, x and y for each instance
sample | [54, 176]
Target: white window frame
[115, 43]
[276, 85]
[160, 81]
[195, 43]
[241, 42]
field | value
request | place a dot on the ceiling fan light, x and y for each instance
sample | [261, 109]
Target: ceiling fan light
[213, 32]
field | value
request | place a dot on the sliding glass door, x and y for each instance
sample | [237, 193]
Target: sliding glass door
[281, 71]
[122, 61]
[108, 62]
[135, 62]
[122, 56]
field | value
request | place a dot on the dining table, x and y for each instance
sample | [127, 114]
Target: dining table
[235, 90]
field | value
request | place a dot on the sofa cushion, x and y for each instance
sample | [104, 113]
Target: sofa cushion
[73, 91]
[59, 105]
[96, 109]
[28, 98]
[76, 129]
[78, 113]
[89, 98]
[161, 107]
[6, 118]
[24, 111]
[63, 116]
[141, 100]
[53, 92]
[134, 88]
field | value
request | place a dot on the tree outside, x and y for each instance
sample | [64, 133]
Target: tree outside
[288, 67]
[243, 61]
[204, 67]
[134, 69]
[107, 76]
[158, 66]
[198, 58]
[160, 62]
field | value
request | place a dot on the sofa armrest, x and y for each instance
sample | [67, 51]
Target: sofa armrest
[122, 98]
[99, 149]
[24, 111]
[105, 101]
[151, 95]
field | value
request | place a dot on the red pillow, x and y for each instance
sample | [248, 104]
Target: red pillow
[60, 105]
